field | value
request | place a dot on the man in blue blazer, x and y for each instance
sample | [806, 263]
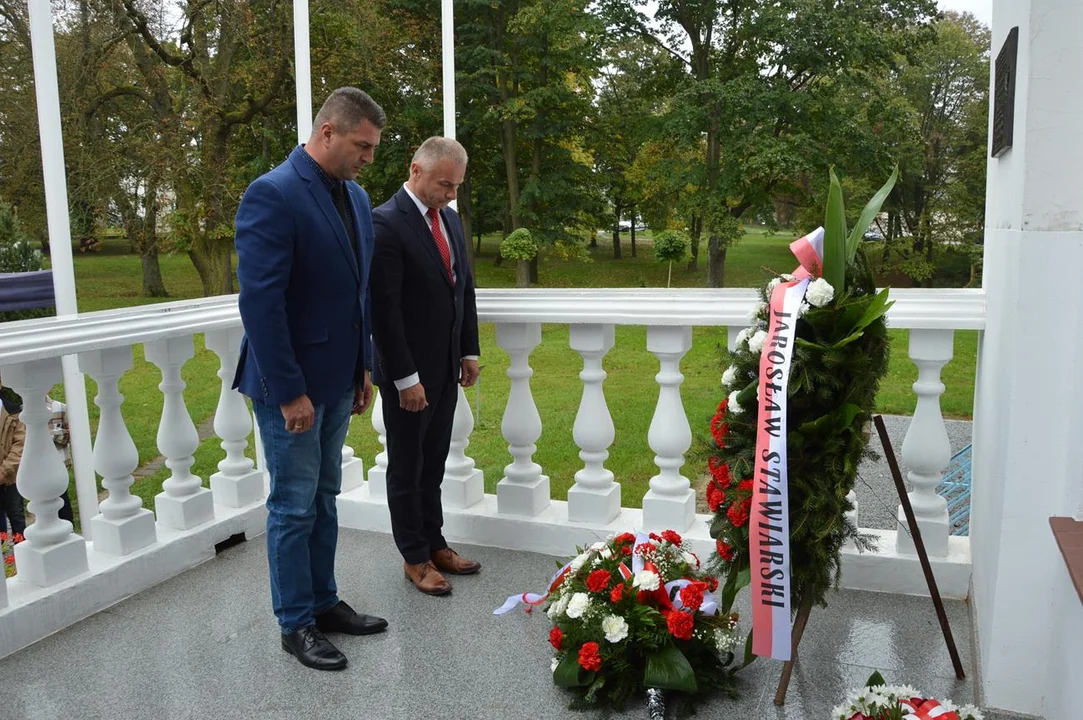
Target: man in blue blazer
[425, 333]
[304, 245]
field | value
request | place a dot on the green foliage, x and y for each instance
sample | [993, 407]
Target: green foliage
[519, 245]
[839, 358]
[16, 253]
[671, 246]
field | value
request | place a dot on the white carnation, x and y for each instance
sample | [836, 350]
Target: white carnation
[756, 343]
[557, 609]
[578, 605]
[606, 553]
[730, 376]
[819, 292]
[803, 309]
[773, 284]
[742, 336]
[690, 559]
[578, 562]
[598, 546]
[732, 405]
[756, 310]
[615, 628]
[645, 580]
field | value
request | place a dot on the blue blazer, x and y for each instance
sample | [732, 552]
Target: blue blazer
[302, 295]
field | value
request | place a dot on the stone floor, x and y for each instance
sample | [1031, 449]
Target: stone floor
[204, 645]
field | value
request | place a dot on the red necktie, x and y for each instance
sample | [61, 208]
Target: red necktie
[441, 242]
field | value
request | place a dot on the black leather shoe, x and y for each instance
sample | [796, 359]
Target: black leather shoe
[342, 618]
[313, 650]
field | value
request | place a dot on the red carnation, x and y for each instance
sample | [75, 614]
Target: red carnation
[719, 471]
[680, 625]
[617, 595]
[9, 560]
[712, 583]
[556, 637]
[598, 581]
[738, 514]
[671, 537]
[3, 536]
[724, 550]
[745, 485]
[626, 549]
[715, 497]
[19, 538]
[692, 595]
[589, 659]
[655, 536]
[719, 428]
[645, 548]
[625, 538]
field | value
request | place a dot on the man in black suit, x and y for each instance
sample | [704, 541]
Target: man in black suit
[425, 335]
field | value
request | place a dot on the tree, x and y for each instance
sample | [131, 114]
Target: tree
[755, 74]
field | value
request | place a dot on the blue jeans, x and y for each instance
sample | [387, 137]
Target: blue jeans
[302, 519]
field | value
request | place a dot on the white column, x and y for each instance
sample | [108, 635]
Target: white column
[52, 553]
[3, 593]
[378, 473]
[670, 503]
[302, 65]
[353, 470]
[447, 51]
[261, 459]
[523, 489]
[464, 484]
[594, 498]
[124, 525]
[183, 502]
[237, 482]
[56, 208]
[926, 450]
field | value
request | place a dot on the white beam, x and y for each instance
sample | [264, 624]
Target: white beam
[56, 206]
[447, 45]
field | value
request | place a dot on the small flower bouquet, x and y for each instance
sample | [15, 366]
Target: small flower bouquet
[880, 701]
[7, 549]
[635, 614]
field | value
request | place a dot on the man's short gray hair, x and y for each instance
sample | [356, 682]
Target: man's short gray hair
[436, 149]
[346, 107]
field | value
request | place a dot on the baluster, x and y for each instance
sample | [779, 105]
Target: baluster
[3, 593]
[595, 497]
[261, 459]
[52, 553]
[183, 502]
[926, 450]
[464, 484]
[670, 502]
[378, 472]
[353, 470]
[523, 490]
[237, 483]
[124, 525]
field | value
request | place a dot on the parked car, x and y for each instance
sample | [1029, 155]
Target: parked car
[873, 235]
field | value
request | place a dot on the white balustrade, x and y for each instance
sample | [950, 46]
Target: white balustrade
[595, 497]
[463, 484]
[524, 490]
[183, 502]
[353, 470]
[237, 482]
[926, 450]
[51, 553]
[123, 525]
[378, 473]
[670, 502]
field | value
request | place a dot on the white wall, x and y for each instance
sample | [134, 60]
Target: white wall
[1028, 421]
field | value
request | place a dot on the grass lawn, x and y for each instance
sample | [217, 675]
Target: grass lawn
[111, 278]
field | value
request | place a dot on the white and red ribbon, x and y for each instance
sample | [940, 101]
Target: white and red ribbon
[769, 518]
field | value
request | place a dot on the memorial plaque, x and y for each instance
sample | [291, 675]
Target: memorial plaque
[1004, 94]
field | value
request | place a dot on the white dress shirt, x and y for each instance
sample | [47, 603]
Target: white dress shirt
[408, 382]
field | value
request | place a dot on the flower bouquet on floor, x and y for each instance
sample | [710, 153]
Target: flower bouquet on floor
[880, 701]
[633, 617]
[7, 549]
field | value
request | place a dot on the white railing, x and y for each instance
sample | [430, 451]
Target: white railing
[522, 513]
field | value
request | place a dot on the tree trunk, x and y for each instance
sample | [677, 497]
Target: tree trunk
[466, 215]
[716, 263]
[153, 285]
[633, 231]
[695, 227]
[522, 273]
[534, 270]
[616, 235]
[594, 240]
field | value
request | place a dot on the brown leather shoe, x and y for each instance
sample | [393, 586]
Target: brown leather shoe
[451, 562]
[427, 578]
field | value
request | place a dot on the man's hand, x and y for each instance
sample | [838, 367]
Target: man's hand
[362, 395]
[299, 414]
[469, 374]
[412, 399]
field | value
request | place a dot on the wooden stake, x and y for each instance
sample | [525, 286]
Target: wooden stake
[915, 532]
[798, 630]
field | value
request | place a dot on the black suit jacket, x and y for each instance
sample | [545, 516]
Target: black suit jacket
[420, 322]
